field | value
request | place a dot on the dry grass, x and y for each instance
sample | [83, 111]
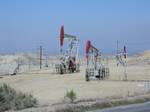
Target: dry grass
[12, 100]
[104, 104]
[50, 88]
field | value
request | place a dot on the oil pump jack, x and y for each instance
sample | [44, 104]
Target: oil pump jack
[95, 69]
[68, 58]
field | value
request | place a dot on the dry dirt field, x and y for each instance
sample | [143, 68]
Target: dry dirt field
[50, 88]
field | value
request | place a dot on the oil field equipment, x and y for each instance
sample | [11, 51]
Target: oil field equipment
[68, 57]
[95, 69]
[121, 58]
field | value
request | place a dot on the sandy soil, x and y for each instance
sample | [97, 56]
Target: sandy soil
[50, 88]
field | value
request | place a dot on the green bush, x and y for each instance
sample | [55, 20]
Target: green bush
[71, 95]
[12, 100]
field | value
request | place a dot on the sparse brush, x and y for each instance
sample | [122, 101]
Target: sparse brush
[12, 100]
[71, 95]
[70, 109]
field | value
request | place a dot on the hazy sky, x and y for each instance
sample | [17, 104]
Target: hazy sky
[26, 24]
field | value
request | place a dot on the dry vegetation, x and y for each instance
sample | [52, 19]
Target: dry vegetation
[12, 100]
[50, 88]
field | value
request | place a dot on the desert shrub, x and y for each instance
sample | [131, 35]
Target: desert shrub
[71, 95]
[71, 109]
[102, 105]
[13, 100]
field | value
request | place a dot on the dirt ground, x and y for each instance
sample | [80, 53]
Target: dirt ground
[50, 88]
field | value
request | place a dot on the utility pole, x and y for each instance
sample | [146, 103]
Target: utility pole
[117, 46]
[125, 63]
[117, 53]
[41, 51]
